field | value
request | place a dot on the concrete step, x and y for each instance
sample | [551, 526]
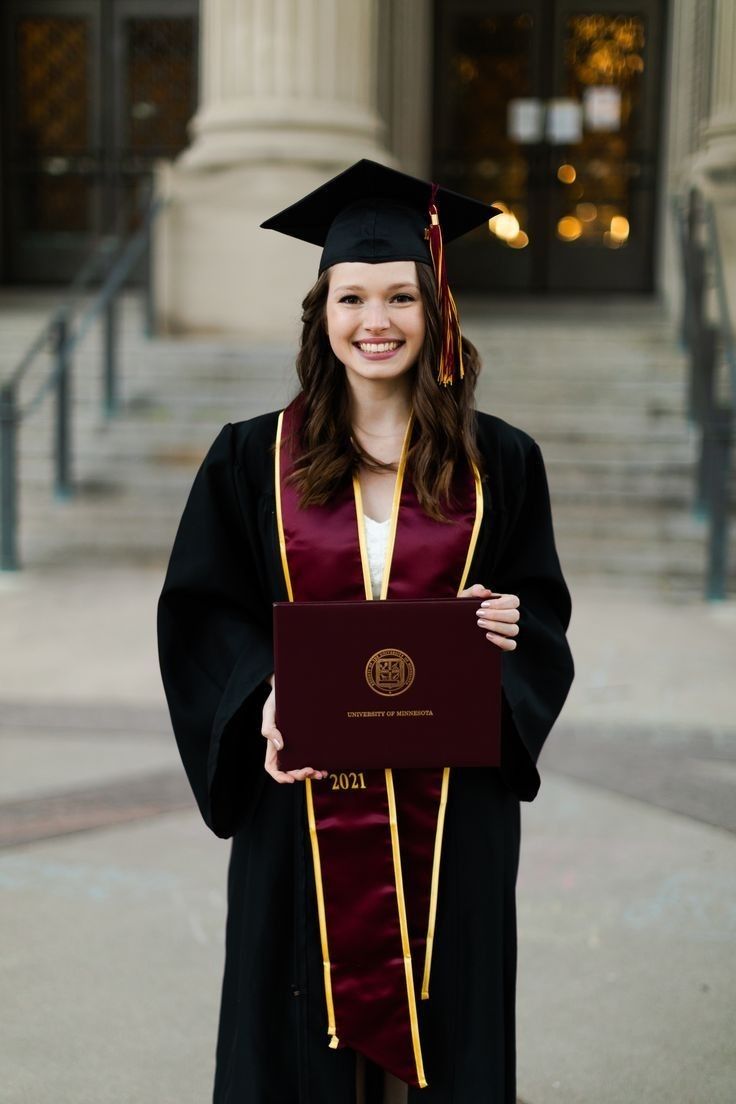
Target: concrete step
[98, 530]
[599, 385]
[153, 438]
[638, 487]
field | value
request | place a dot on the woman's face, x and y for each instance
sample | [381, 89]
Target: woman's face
[375, 318]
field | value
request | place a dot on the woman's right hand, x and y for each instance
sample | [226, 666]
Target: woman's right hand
[276, 742]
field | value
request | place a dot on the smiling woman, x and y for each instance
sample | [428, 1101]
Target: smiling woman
[378, 319]
[371, 945]
[382, 316]
[352, 306]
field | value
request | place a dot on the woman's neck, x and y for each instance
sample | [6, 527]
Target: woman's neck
[379, 407]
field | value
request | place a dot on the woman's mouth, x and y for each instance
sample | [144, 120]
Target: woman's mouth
[378, 350]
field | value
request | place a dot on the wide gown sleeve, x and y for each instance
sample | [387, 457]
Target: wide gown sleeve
[537, 675]
[215, 642]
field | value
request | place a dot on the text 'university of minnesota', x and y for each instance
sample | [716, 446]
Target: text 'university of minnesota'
[389, 713]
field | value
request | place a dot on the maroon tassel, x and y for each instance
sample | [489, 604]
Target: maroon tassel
[451, 355]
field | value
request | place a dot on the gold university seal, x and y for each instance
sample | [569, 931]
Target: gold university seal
[389, 672]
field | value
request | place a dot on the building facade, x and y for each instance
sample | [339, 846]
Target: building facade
[580, 120]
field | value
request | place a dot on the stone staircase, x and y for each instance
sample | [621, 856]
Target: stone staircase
[599, 384]
[601, 387]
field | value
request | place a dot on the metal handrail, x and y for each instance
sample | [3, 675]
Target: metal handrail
[101, 249]
[65, 337]
[709, 344]
[727, 331]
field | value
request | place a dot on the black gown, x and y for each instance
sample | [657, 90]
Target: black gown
[215, 648]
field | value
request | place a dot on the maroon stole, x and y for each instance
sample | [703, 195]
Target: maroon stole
[375, 846]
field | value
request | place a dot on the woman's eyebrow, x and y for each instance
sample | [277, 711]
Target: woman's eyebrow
[391, 287]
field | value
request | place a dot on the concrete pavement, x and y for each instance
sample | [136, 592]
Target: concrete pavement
[111, 946]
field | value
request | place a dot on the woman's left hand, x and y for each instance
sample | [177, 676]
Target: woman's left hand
[498, 615]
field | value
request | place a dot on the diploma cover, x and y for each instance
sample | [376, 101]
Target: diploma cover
[376, 848]
[398, 683]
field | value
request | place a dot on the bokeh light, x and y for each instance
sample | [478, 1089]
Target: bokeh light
[505, 226]
[520, 241]
[619, 228]
[586, 212]
[569, 228]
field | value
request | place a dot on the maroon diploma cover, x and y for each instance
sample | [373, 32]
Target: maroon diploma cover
[399, 683]
[376, 846]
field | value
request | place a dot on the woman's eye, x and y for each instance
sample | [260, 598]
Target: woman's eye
[349, 299]
[404, 297]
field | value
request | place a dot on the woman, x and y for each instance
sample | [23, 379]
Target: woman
[379, 480]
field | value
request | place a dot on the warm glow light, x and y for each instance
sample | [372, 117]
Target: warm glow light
[504, 210]
[569, 228]
[619, 228]
[610, 241]
[566, 173]
[586, 212]
[519, 241]
[505, 226]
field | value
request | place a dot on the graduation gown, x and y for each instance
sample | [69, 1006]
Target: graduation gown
[215, 644]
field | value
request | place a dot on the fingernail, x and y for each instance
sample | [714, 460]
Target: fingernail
[276, 743]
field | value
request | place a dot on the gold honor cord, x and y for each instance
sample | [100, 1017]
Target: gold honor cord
[360, 518]
[435, 883]
[476, 528]
[398, 485]
[395, 846]
[279, 515]
[446, 773]
[331, 1028]
[404, 928]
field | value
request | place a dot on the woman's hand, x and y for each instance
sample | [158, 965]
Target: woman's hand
[498, 615]
[276, 742]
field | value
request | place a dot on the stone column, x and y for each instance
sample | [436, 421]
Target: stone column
[405, 49]
[717, 163]
[288, 98]
[687, 86]
[714, 169]
[687, 103]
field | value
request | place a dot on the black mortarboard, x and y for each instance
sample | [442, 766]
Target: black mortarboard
[372, 213]
[375, 214]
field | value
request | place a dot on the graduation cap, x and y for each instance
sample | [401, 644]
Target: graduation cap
[375, 214]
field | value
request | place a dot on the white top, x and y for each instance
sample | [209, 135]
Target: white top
[376, 542]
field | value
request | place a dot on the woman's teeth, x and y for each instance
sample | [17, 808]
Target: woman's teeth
[374, 347]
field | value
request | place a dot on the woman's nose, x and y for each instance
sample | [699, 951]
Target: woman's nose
[376, 317]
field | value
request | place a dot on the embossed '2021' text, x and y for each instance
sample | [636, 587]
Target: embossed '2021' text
[348, 780]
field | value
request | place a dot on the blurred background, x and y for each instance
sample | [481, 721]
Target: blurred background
[141, 144]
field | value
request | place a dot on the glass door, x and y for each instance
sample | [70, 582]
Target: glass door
[51, 128]
[155, 93]
[489, 66]
[94, 91]
[603, 172]
[550, 110]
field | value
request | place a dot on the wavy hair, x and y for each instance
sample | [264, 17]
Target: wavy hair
[444, 417]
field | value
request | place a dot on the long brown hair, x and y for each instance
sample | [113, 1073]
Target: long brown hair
[444, 417]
